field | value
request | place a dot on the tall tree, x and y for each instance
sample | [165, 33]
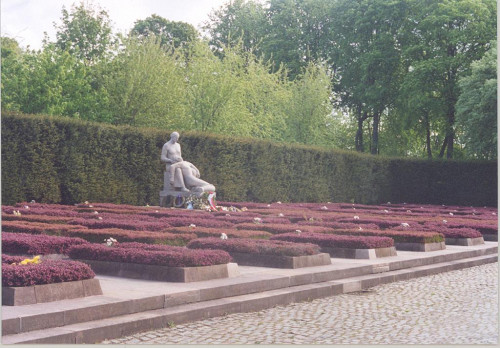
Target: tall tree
[446, 37]
[170, 33]
[477, 107]
[238, 20]
[85, 32]
[366, 59]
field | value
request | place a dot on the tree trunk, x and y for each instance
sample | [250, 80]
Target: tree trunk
[376, 122]
[443, 147]
[359, 132]
[428, 136]
[450, 132]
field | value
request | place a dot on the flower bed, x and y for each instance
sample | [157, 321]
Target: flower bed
[46, 282]
[37, 227]
[129, 223]
[266, 253]
[279, 228]
[344, 246]
[98, 235]
[28, 244]
[37, 218]
[267, 247]
[216, 232]
[337, 241]
[155, 262]
[198, 221]
[168, 256]
[398, 236]
[47, 272]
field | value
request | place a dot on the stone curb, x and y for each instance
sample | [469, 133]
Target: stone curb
[24, 295]
[97, 331]
[276, 261]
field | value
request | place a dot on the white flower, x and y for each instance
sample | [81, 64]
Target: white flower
[404, 224]
[156, 211]
[223, 236]
[354, 208]
[269, 205]
[16, 213]
[386, 211]
[26, 207]
[329, 202]
[244, 209]
[86, 202]
[96, 212]
[356, 217]
[257, 220]
[360, 228]
[99, 218]
[473, 213]
[147, 205]
[281, 215]
[91, 206]
[388, 202]
[408, 211]
[110, 241]
[228, 214]
[493, 213]
[324, 207]
[451, 214]
[298, 231]
[445, 221]
[278, 202]
[192, 226]
[33, 201]
[311, 219]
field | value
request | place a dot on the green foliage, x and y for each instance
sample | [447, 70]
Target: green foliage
[477, 107]
[85, 32]
[53, 159]
[170, 33]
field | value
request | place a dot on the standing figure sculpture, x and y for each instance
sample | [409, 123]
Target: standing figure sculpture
[181, 177]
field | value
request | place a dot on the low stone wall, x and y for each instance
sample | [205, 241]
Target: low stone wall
[464, 241]
[360, 253]
[420, 246]
[163, 273]
[490, 237]
[19, 296]
[276, 261]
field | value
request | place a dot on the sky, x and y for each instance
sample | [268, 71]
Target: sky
[27, 20]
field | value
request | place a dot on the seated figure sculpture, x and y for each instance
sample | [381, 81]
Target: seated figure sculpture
[182, 175]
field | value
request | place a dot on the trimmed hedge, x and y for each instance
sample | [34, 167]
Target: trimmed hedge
[337, 241]
[22, 243]
[142, 254]
[216, 232]
[251, 246]
[55, 159]
[47, 272]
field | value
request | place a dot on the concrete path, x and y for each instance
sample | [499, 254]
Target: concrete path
[457, 307]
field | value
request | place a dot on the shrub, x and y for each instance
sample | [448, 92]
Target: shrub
[482, 228]
[37, 227]
[339, 225]
[8, 259]
[127, 223]
[216, 232]
[98, 236]
[449, 232]
[336, 241]
[397, 236]
[169, 258]
[46, 272]
[22, 243]
[281, 228]
[198, 221]
[37, 218]
[267, 247]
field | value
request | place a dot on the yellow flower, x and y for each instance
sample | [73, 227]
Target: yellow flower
[34, 260]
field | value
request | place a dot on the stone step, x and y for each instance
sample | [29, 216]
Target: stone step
[122, 325]
[68, 312]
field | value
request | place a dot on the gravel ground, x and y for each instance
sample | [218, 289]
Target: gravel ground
[458, 307]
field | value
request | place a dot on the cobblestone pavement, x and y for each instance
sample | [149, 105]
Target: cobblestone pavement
[458, 307]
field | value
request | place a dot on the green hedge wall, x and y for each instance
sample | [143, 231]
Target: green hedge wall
[59, 160]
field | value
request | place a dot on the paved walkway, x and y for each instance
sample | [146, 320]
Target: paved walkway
[458, 307]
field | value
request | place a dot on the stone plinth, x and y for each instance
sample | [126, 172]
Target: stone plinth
[19, 296]
[346, 253]
[420, 246]
[277, 261]
[162, 273]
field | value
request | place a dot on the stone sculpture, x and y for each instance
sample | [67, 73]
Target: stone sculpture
[181, 178]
